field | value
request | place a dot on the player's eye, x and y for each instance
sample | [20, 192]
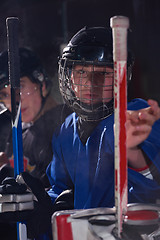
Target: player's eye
[81, 71]
[4, 96]
[22, 86]
[105, 74]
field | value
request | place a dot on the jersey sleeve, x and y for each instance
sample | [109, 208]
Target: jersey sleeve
[141, 188]
[57, 172]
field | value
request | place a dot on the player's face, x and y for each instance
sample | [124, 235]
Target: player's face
[31, 99]
[92, 84]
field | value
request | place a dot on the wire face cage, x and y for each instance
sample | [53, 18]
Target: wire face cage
[87, 87]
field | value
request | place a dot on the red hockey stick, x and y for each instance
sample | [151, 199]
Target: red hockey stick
[119, 25]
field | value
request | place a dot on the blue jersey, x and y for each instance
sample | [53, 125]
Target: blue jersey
[89, 168]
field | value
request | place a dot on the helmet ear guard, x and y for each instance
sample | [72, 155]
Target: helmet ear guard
[30, 66]
[89, 47]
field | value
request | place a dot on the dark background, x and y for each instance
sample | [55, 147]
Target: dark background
[45, 25]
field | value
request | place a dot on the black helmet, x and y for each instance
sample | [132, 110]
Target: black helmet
[90, 46]
[30, 66]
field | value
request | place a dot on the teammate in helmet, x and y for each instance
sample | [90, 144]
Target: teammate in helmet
[34, 81]
[40, 112]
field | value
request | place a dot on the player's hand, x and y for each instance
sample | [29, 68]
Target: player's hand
[139, 123]
[38, 221]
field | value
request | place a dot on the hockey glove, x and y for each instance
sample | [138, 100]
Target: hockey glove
[38, 221]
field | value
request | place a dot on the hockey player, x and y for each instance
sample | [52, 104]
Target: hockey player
[83, 147]
[86, 83]
[40, 112]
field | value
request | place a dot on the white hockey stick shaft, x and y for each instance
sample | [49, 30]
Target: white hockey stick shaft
[119, 25]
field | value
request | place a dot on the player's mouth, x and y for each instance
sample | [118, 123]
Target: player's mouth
[23, 110]
[91, 98]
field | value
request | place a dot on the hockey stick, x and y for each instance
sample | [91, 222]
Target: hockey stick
[14, 78]
[119, 25]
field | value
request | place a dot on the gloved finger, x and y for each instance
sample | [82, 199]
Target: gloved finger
[35, 185]
[6, 171]
[66, 196]
[9, 185]
[10, 180]
[65, 200]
